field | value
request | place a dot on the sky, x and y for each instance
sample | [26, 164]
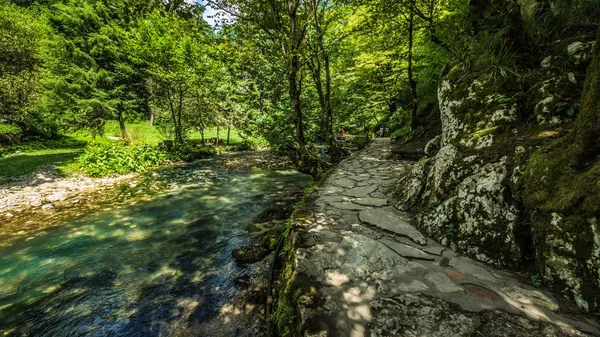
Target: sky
[208, 11]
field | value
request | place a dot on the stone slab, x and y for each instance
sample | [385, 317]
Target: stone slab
[369, 201]
[343, 182]
[360, 192]
[435, 250]
[391, 222]
[406, 250]
[346, 205]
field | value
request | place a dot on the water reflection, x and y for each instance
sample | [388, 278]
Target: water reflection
[154, 262]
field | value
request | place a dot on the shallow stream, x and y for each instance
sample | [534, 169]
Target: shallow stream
[153, 259]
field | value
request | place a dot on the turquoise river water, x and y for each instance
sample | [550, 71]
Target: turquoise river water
[154, 261]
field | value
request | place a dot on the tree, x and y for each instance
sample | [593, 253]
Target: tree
[91, 76]
[319, 64]
[21, 34]
[284, 23]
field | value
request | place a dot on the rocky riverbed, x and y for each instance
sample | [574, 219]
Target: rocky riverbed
[46, 188]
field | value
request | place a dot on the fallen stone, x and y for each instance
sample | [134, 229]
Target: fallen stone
[360, 177]
[391, 222]
[453, 274]
[330, 198]
[482, 292]
[57, 196]
[469, 267]
[412, 287]
[48, 206]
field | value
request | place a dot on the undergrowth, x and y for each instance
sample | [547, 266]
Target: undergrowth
[101, 160]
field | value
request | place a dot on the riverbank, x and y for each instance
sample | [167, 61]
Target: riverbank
[46, 188]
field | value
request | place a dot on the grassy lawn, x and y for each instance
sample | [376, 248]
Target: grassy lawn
[21, 164]
[143, 132]
[62, 154]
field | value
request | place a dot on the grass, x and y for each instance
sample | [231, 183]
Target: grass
[62, 154]
[22, 164]
[145, 133]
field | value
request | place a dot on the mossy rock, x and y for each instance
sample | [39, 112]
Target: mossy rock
[249, 254]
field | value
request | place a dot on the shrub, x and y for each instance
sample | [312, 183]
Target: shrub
[249, 144]
[9, 134]
[119, 158]
[190, 153]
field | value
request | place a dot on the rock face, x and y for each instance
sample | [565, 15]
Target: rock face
[468, 195]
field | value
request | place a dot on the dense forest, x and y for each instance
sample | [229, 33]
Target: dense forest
[495, 102]
[293, 74]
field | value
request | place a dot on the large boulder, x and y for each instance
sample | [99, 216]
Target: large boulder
[468, 195]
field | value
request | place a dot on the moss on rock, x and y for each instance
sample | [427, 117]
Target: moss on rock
[561, 191]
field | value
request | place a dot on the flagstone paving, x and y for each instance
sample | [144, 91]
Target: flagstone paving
[373, 274]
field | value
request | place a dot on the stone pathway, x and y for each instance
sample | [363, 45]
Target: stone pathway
[373, 274]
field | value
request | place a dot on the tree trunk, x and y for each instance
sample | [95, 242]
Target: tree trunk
[150, 85]
[413, 85]
[324, 92]
[228, 132]
[202, 136]
[122, 124]
[296, 105]
[294, 38]
[217, 142]
[179, 115]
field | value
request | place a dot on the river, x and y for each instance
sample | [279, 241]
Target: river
[153, 258]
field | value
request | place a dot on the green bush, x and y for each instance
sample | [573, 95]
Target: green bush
[9, 134]
[248, 144]
[251, 144]
[190, 153]
[119, 158]
[401, 132]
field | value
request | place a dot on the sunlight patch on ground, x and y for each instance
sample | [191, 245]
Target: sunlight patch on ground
[336, 278]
